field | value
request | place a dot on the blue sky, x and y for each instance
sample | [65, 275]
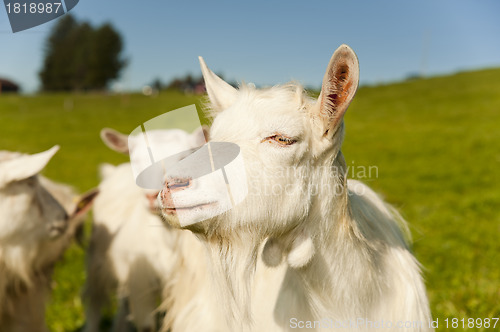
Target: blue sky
[269, 42]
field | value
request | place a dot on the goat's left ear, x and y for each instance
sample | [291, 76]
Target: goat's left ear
[337, 90]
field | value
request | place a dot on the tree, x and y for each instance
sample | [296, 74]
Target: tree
[80, 57]
[105, 62]
[56, 73]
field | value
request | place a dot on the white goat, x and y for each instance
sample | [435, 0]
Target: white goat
[35, 229]
[347, 262]
[131, 251]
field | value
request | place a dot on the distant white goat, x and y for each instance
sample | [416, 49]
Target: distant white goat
[346, 258]
[35, 229]
[132, 252]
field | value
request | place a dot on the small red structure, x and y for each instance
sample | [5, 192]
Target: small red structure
[8, 86]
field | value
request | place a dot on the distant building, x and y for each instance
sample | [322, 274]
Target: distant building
[8, 86]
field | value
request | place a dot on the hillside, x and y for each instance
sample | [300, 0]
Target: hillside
[435, 144]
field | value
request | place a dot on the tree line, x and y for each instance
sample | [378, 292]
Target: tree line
[81, 57]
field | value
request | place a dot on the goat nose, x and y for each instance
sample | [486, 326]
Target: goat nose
[172, 185]
[175, 184]
[166, 198]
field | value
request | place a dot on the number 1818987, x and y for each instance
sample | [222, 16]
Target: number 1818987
[33, 8]
[471, 323]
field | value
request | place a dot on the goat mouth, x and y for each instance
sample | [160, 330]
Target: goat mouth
[173, 210]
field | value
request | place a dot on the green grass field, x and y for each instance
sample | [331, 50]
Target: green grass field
[435, 143]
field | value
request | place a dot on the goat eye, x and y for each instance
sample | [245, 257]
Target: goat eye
[280, 139]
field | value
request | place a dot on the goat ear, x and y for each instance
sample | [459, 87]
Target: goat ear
[25, 166]
[115, 140]
[84, 203]
[201, 135]
[221, 94]
[337, 90]
[77, 218]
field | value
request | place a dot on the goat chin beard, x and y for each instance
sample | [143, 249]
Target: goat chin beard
[234, 253]
[234, 261]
